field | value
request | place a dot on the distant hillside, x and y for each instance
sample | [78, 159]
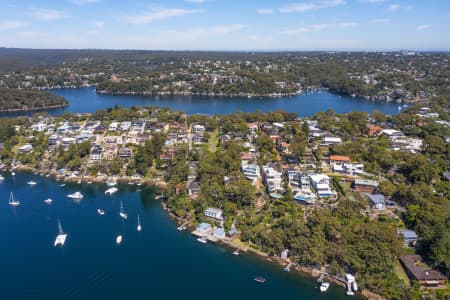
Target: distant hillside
[26, 100]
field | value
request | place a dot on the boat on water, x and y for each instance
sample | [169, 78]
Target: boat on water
[76, 196]
[202, 240]
[236, 252]
[2, 178]
[111, 182]
[122, 212]
[48, 201]
[62, 185]
[139, 227]
[111, 191]
[130, 183]
[61, 237]
[13, 202]
[101, 212]
[31, 183]
[119, 239]
[324, 286]
[13, 173]
[259, 279]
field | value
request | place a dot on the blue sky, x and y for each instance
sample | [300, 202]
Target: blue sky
[227, 24]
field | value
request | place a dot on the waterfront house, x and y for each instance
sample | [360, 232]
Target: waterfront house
[365, 185]
[416, 269]
[377, 201]
[219, 233]
[96, 153]
[204, 227]
[250, 171]
[273, 178]
[214, 213]
[409, 237]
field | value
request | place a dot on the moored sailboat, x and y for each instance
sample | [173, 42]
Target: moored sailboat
[61, 237]
[122, 213]
[13, 202]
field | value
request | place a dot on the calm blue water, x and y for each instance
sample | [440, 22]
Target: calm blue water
[86, 100]
[158, 263]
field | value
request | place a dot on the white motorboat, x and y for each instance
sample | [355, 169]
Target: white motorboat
[101, 212]
[62, 185]
[111, 182]
[139, 227]
[13, 202]
[31, 183]
[122, 213]
[13, 173]
[236, 252]
[61, 237]
[324, 286]
[119, 239]
[48, 201]
[76, 196]
[202, 240]
[111, 191]
[2, 178]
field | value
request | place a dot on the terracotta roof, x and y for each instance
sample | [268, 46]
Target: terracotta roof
[339, 158]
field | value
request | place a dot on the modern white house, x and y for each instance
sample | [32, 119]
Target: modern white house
[273, 178]
[214, 213]
[251, 171]
[321, 184]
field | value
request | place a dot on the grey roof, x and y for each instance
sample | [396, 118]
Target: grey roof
[359, 181]
[376, 198]
[446, 175]
[195, 185]
[408, 234]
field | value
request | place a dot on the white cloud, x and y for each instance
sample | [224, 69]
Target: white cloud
[195, 1]
[378, 21]
[158, 14]
[44, 14]
[265, 11]
[393, 7]
[8, 25]
[83, 2]
[318, 27]
[423, 27]
[303, 7]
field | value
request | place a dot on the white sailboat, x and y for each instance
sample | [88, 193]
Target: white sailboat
[119, 239]
[139, 227]
[13, 202]
[13, 173]
[101, 212]
[31, 183]
[122, 213]
[111, 191]
[324, 286]
[61, 237]
[48, 201]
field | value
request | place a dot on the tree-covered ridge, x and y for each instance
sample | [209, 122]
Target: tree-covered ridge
[25, 100]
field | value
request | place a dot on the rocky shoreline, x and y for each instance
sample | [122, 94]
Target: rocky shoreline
[34, 108]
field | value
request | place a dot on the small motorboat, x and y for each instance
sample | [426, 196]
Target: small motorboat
[236, 252]
[76, 195]
[324, 286]
[119, 239]
[62, 185]
[48, 201]
[202, 240]
[13, 173]
[31, 183]
[101, 212]
[259, 279]
[111, 191]
[2, 178]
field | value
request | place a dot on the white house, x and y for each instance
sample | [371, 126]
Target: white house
[321, 184]
[27, 148]
[214, 213]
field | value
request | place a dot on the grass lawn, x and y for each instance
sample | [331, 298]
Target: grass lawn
[212, 142]
[398, 270]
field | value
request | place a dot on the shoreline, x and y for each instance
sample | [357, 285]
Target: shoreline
[34, 109]
[301, 270]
